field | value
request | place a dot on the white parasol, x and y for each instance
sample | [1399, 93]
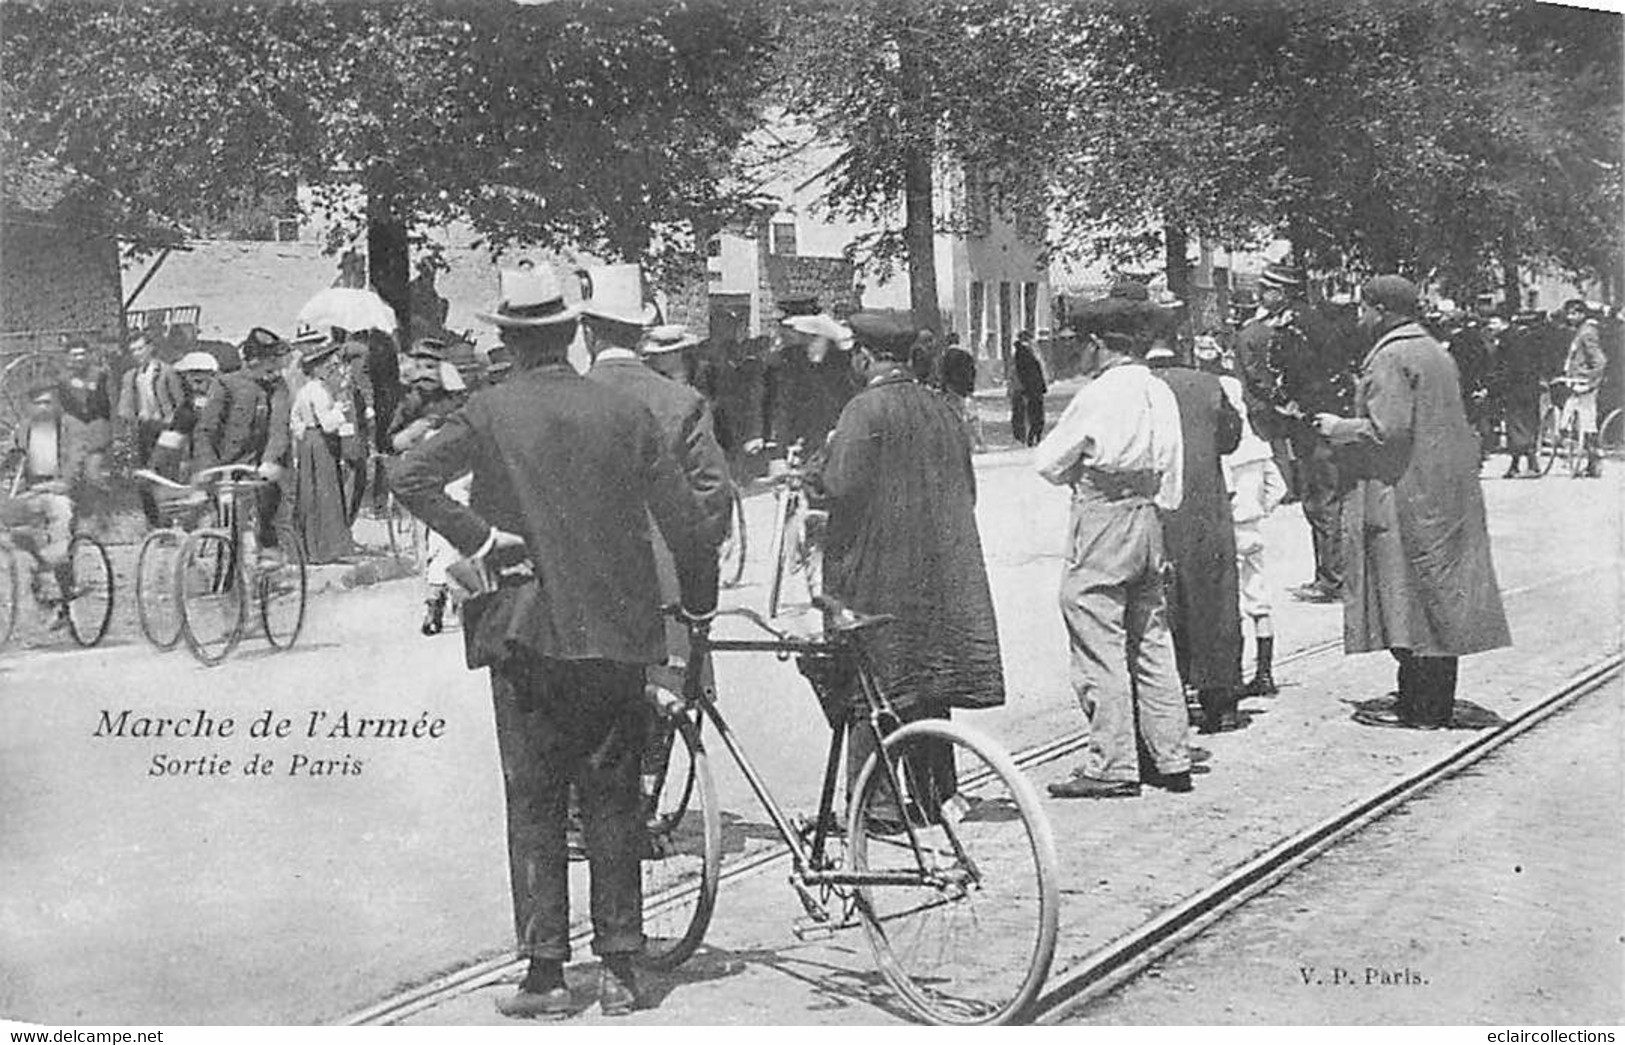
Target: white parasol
[349, 308]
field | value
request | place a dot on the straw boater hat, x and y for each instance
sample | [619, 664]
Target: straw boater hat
[669, 337]
[530, 297]
[198, 363]
[618, 294]
[820, 325]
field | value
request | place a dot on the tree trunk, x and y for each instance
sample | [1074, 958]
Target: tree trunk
[389, 260]
[919, 232]
[1175, 243]
[1511, 287]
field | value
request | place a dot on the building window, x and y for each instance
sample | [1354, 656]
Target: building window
[713, 247]
[1029, 308]
[1006, 320]
[715, 276]
[784, 238]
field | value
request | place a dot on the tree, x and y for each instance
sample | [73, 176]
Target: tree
[603, 124]
[1446, 138]
[909, 88]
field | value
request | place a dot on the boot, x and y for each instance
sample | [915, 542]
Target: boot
[434, 613]
[1262, 683]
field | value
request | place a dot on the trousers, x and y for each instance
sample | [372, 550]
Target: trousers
[1323, 508]
[1122, 654]
[587, 729]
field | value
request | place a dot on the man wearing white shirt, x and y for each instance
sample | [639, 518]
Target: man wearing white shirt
[1118, 446]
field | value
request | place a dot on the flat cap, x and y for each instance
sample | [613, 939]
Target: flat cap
[1394, 293]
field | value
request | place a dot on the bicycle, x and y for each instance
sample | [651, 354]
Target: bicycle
[957, 892]
[87, 597]
[1560, 428]
[731, 556]
[795, 545]
[157, 600]
[1611, 434]
[220, 565]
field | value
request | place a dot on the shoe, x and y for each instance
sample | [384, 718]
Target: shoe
[1315, 593]
[1511, 473]
[617, 991]
[530, 1005]
[434, 615]
[1179, 783]
[60, 620]
[1226, 721]
[1088, 787]
[1262, 685]
[1388, 718]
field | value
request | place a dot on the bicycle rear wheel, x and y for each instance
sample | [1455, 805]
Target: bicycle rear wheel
[1550, 441]
[683, 864]
[156, 602]
[11, 589]
[90, 604]
[281, 593]
[732, 553]
[1611, 434]
[971, 942]
[213, 601]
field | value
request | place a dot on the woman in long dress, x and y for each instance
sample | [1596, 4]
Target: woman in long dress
[319, 421]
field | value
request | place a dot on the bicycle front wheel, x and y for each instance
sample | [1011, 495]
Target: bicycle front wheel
[281, 592]
[156, 603]
[971, 938]
[732, 553]
[213, 600]
[11, 588]
[683, 863]
[1550, 442]
[1611, 433]
[90, 604]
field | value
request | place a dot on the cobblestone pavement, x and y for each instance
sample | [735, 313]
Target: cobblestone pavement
[191, 900]
[1497, 897]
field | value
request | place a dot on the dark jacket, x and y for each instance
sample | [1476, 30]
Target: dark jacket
[1199, 536]
[577, 470]
[244, 422]
[902, 539]
[807, 397]
[685, 421]
[1028, 374]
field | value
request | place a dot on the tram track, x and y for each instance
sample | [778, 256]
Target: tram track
[1127, 956]
[1122, 959]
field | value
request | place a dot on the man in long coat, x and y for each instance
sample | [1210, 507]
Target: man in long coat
[1518, 387]
[1420, 580]
[1199, 538]
[567, 474]
[902, 539]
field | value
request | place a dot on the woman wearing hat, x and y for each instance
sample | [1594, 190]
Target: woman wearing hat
[319, 421]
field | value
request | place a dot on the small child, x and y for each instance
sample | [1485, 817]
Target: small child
[436, 389]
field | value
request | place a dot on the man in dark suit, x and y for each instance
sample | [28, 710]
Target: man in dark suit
[567, 473]
[247, 423]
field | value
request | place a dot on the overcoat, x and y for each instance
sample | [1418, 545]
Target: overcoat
[1416, 547]
[902, 539]
[1199, 536]
[577, 470]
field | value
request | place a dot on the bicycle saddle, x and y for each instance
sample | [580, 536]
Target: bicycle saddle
[842, 618]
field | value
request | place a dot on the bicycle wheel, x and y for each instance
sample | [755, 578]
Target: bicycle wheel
[732, 553]
[972, 941]
[779, 550]
[683, 864]
[213, 600]
[156, 603]
[1550, 442]
[1611, 434]
[281, 593]
[11, 589]
[90, 604]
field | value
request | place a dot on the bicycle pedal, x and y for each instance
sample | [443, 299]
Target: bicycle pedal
[808, 930]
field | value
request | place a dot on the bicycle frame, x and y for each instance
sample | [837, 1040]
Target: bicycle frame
[810, 864]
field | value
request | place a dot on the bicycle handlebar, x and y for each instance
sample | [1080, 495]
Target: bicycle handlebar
[227, 472]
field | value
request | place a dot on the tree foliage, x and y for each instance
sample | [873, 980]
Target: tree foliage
[601, 123]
